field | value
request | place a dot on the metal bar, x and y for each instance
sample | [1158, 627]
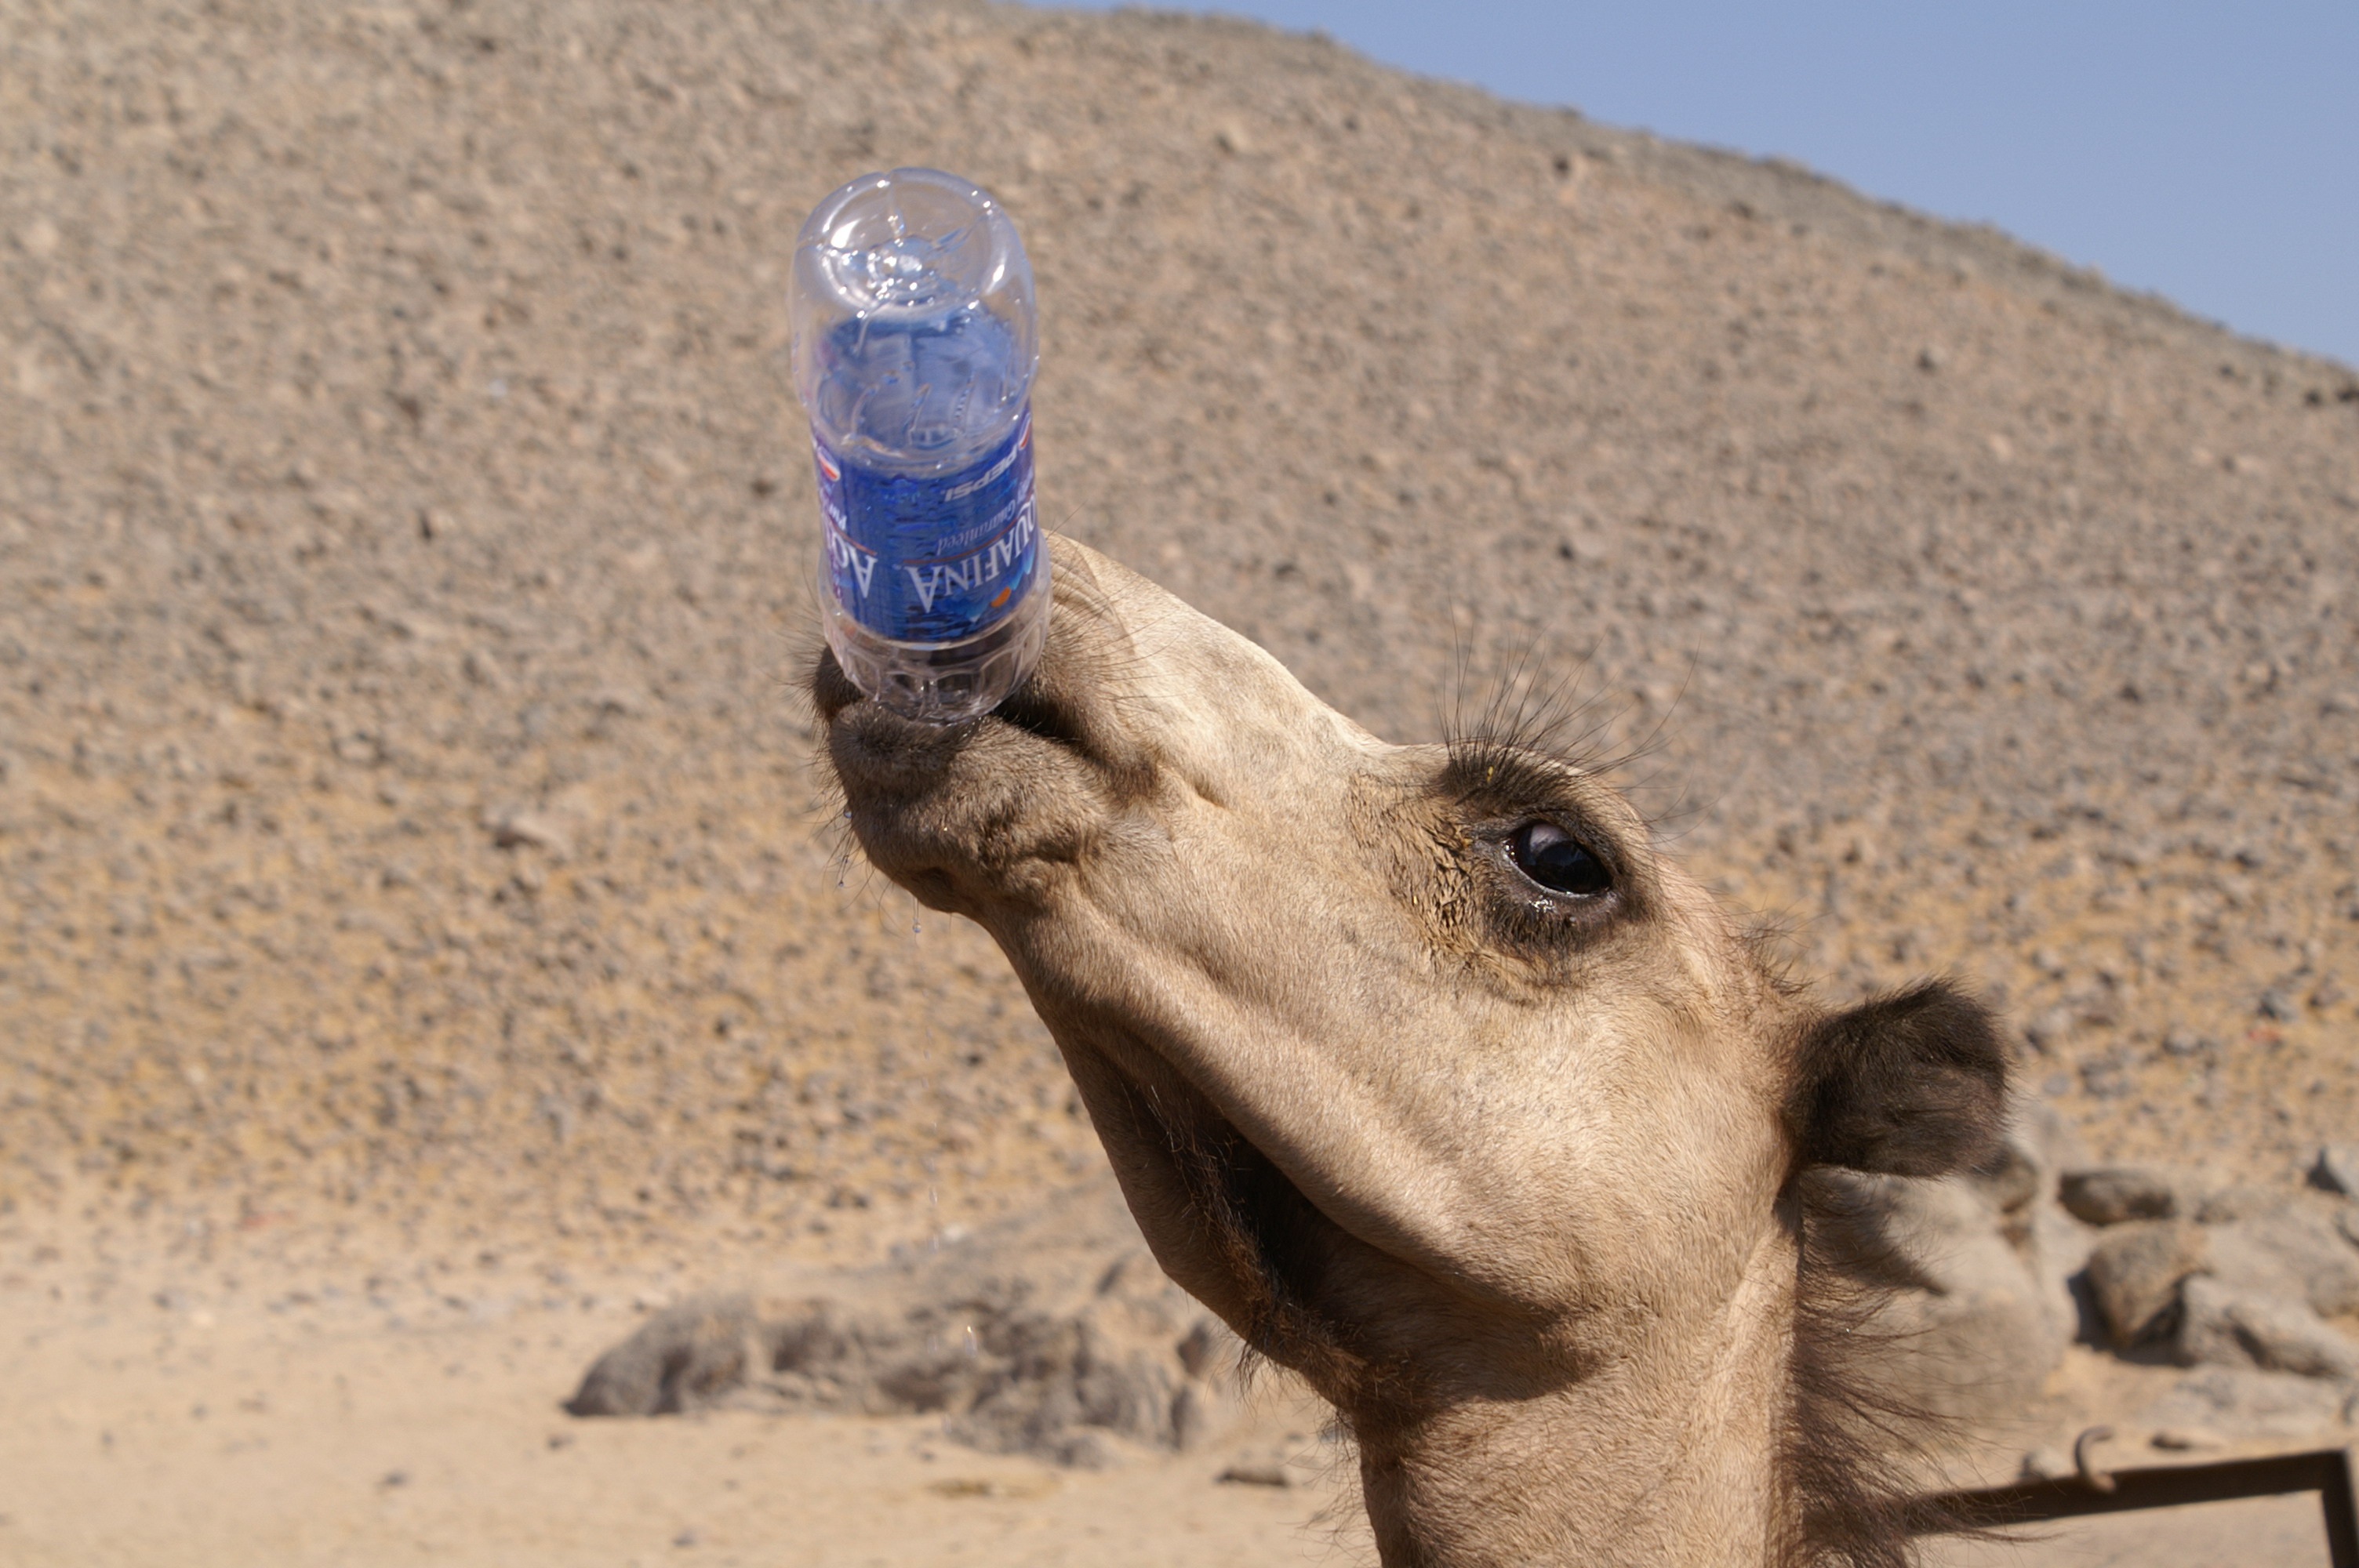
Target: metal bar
[2341, 1501]
[2326, 1471]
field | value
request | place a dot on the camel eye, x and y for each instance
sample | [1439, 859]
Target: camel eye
[1557, 861]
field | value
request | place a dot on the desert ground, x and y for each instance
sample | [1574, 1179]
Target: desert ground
[429, 945]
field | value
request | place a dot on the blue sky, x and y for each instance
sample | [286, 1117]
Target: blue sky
[2207, 152]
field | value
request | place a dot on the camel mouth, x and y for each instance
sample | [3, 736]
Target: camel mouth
[888, 748]
[970, 816]
[874, 749]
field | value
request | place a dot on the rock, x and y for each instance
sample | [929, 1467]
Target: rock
[2135, 1271]
[2116, 1194]
[2221, 1326]
[2241, 1404]
[682, 1357]
[1968, 1330]
[2337, 1169]
[1197, 1416]
[2239, 1200]
[2051, 1242]
[2293, 1249]
[2010, 1181]
[1054, 1334]
[2048, 1137]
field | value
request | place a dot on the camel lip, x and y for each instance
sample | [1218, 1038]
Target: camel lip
[875, 751]
[872, 744]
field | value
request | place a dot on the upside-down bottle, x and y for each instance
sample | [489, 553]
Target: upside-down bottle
[915, 345]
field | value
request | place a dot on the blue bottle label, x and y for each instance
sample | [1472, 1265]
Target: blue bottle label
[931, 559]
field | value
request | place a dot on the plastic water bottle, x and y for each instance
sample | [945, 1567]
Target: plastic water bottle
[915, 345]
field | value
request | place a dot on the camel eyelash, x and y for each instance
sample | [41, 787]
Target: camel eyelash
[1501, 773]
[1527, 730]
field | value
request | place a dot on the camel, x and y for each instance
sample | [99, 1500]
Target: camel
[1433, 1075]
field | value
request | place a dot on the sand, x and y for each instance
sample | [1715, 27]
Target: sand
[412, 843]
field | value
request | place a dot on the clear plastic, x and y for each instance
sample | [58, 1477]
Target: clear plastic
[914, 346]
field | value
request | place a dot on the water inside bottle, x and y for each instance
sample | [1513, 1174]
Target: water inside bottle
[918, 390]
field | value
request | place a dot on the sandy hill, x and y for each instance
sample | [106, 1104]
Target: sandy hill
[405, 813]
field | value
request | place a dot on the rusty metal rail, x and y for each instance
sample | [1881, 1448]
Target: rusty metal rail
[2326, 1471]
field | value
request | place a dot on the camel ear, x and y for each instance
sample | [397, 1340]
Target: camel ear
[1913, 1084]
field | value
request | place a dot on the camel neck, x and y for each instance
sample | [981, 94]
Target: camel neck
[1669, 1455]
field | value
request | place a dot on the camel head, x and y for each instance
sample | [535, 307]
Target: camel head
[1427, 1070]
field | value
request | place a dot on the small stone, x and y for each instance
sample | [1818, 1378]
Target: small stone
[2187, 1439]
[685, 1538]
[966, 1487]
[2048, 1465]
[512, 826]
[1088, 1451]
[2134, 1273]
[2050, 1029]
[2336, 1169]
[2186, 1042]
[1256, 1474]
[2113, 1194]
[2104, 1078]
[2279, 1006]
